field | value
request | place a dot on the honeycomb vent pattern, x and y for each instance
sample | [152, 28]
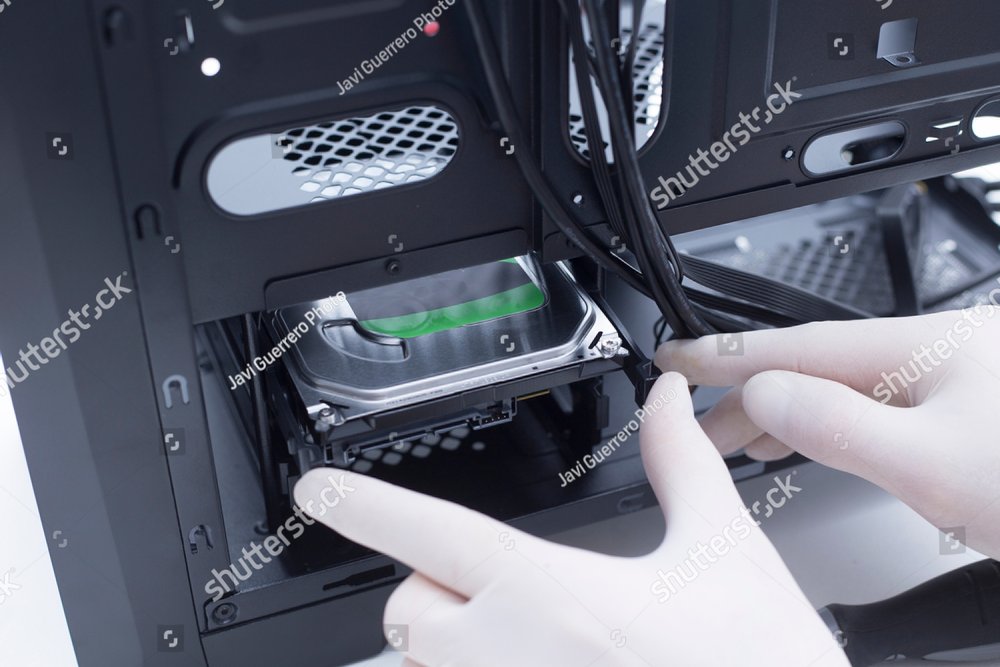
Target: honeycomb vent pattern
[357, 155]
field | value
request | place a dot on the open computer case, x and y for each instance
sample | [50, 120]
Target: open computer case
[246, 165]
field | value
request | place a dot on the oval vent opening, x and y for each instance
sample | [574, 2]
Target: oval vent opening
[331, 160]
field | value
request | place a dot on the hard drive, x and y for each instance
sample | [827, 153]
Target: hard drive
[446, 344]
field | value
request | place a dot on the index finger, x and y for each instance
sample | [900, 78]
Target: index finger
[450, 544]
[855, 353]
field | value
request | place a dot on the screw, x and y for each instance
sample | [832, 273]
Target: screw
[393, 267]
[225, 613]
[330, 416]
[609, 347]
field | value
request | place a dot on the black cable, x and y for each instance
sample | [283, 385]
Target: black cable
[721, 321]
[623, 141]
[599, 164]
[792, 301]
[659, 329]
[792, 304]
[507, 110]
[628, 65]
[620, 217]
[741, 309]
[600, 168]
[591, 126]
[690, 312]
[632, 183]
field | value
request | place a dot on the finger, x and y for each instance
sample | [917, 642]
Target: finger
[854, 353]
[828, 422]
[683, 466]
[418, 599]
[768, 448]
[409, 663]
[452, 545]
[417, 616]
[726, 424]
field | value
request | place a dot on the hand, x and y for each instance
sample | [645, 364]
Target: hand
[484, 593]
[912, 405]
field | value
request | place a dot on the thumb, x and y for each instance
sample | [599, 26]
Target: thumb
[686, 471]
[829, 422]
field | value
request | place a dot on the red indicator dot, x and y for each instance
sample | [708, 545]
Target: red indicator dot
[432, 28]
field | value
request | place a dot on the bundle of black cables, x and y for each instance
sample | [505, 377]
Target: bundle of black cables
[689, 312]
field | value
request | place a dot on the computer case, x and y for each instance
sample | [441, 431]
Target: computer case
[114, 115]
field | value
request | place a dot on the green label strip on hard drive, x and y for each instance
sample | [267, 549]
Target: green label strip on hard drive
[510, 302]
